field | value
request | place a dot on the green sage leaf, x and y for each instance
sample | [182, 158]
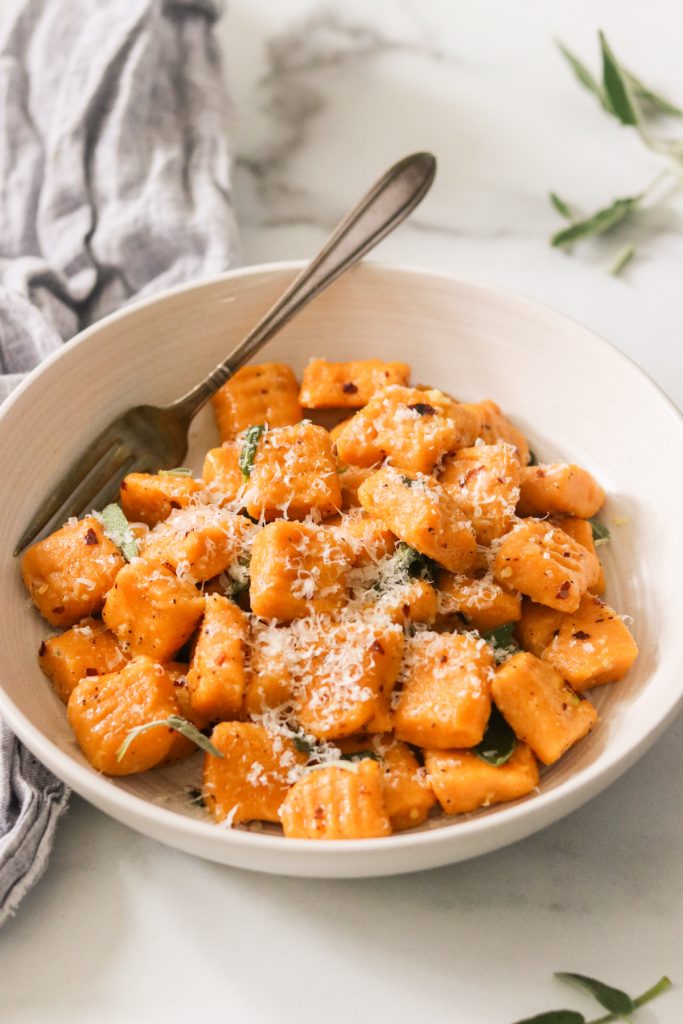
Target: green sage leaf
[617, 92]
[252, 437]
[613, 999]
[653, 102]
[358, 755]
[600, 531]
[582, 73]
[117, 528]
[178, 471]
[177, 723]
[502, 639]
[499, 742]
[412, 564]
[301, 744]
[564, 209]
[555, 1017]
[598, 223]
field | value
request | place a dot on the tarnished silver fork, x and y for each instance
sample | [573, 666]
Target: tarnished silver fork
[148, 438]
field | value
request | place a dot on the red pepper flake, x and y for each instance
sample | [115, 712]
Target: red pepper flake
[220, 659]
[91, 537]
[349, 388]
[376, 647]
[124, 485]
[580, 635]
[540, 473]
[91, 672]
[58, 610]
[174, 504]
[563, 592]
[423, 409]
[471, 473]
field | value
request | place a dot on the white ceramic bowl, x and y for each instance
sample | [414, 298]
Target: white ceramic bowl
[575, 396]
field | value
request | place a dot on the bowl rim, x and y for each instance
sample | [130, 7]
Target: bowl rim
[536, 811]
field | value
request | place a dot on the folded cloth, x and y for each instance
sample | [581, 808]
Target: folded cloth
[114, 184]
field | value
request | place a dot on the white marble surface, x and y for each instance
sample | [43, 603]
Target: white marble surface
[122, 929]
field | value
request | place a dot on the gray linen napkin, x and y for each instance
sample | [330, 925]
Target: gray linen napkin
[114, 184]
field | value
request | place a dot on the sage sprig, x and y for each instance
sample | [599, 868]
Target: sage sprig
[599, 530]
[252, 436]
[623, 96]
[117, 528]
[499, 742]
[619, 1004]
[502, 639]
[598, 223]
[177, 723]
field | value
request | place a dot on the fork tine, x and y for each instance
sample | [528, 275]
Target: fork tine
[101, 485]
[85, 479]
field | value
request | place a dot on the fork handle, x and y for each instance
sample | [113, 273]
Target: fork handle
[386, 205]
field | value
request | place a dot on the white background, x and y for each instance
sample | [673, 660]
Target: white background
[326, 95]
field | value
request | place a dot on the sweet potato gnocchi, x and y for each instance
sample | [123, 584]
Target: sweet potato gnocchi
[361, 626]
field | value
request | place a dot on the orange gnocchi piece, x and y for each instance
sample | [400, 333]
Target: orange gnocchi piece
[412, 428]
[544, 563]
[297, 569]
[69, 573]
[151, 611]
[483, 483]
[419, 511]
[540, 706]
[342, 801]
[222, 474]
[199, 542]
[102, 710]
[445, 700]
[581, 531]
[150, 498]
[251, 780]
[463, 782]
[351, 385]
[560, 489]
[87, 649]
[483, 603]
[216, 679]
[590, 646]
[260, 393]
[494, 427]
[294, 472]
[350, 678]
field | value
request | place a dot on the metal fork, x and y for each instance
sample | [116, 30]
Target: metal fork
[148, 438]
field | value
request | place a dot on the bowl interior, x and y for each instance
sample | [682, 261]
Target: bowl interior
[575, 397]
